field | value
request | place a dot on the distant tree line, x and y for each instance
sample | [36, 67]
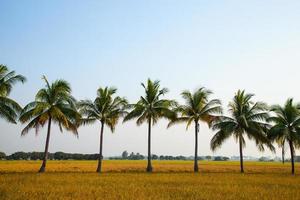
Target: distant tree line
[20, 155]
[267, 159]
[2, 155]
[52, 156]
[132, 156]
[126, 156]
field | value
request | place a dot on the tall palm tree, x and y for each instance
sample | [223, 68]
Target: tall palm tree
[9, 109]
[150, 109]
[106, 109]
[197, 108]
[286, 126]
[53, 103]
[247, 118]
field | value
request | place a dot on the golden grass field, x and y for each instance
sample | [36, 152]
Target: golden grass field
[127, 180]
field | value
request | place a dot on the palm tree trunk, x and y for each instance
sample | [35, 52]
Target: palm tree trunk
[99, 168]
[196, 148]
[292, 157]
[241, 155]
[283, 152]
[149, 166]
[43, 167]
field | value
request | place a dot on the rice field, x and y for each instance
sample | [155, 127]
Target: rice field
[127, 180]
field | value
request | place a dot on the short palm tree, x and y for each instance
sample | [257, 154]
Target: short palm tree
[197, 108]
[150, 109]
[106, 109]
[9, 109]
[247, 119]
[286, 126]
[53, 103]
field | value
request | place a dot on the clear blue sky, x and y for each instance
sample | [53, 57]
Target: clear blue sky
[222, 45]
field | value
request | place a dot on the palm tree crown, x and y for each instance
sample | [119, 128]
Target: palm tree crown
[197, 108]
[52, 102]
[286, 126]
[150, 108]
[106, 109]
[9, 109]
[247, 118]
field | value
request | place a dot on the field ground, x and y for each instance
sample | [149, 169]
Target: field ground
[127, 180]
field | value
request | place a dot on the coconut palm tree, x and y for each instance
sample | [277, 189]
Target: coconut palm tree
[53, 103]
[286, 126]
[150, 109]
[197, 108]
[9, 109]
[105, 109]
[247, 119]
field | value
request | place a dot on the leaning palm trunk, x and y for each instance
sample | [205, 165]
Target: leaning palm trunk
[282, 153]
[149, 166]
[292, 156]
[99, 168]
[43, 167]
[54, 103]
[241, 155]
[196, 148]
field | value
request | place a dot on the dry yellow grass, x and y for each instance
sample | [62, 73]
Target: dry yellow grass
[170, 180]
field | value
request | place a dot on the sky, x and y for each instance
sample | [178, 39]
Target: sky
[221, 45]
